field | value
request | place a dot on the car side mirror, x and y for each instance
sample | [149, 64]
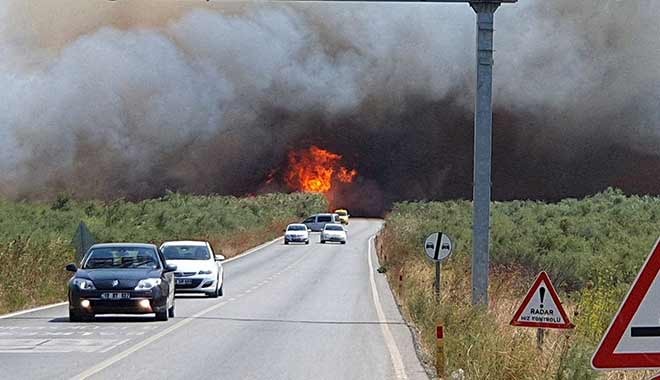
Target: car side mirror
[170, 268]
[71, 267]
[219, 258]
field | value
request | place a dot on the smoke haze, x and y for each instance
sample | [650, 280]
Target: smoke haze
[130, 98]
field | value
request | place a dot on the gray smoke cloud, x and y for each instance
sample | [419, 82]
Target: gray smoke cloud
[127, 99]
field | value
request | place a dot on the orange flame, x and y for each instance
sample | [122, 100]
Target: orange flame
[345, 175]
[315, 169]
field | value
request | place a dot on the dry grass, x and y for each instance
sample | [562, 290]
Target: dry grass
[240, 241]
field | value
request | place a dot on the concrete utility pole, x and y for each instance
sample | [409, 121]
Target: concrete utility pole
[483, 136]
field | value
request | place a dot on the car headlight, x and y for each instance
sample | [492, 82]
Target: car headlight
[84, 283]
[205, 271]
[148, 283]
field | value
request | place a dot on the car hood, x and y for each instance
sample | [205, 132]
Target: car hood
[193, 265]
[126, 278]
[296, 233]
[328, 232]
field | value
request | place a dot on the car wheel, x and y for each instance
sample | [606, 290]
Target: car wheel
[220, 291]
[322, 241]
[214, 294]
[306, 241]
[170, 312]
[162, 315]
[286, 242]
[76, 316]
[343, 242]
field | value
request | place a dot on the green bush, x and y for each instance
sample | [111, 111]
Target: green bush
[571, 239]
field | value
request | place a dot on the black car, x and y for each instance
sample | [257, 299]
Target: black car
[121, 278]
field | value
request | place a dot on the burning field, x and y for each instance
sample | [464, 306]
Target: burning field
[366, 104]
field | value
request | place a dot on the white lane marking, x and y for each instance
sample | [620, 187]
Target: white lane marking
[115, 345]
[395, 355]
[32, 310]
[44, 345]
[253, 250]
[112, 360]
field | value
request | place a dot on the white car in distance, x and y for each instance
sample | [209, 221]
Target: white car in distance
[199, 270]
[333, 232]
[296, 232]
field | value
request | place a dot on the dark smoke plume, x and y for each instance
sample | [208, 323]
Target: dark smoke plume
[129, 99]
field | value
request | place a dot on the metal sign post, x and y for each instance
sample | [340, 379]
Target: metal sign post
[438, 247]
[483, 135]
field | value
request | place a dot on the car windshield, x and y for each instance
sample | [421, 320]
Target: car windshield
[325, 218]
[297, 228]
[333, 228]
[186, 252]
[341, 213]
[122, 257]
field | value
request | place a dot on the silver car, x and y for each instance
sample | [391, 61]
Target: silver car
[317, 222]
[333, 232]
[199, 269]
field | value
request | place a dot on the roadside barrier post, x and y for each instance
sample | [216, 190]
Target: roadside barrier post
[401, 284]
[440, 351]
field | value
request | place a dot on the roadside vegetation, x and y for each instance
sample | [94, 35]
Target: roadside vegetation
[35, 238]
[591, 248]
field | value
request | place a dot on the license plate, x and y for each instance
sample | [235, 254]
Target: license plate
[115, 296]
[183, 282]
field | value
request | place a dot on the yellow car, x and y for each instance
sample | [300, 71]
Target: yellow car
[343, 215]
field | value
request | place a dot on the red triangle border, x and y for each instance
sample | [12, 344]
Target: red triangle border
[604, 357]
[542, 278]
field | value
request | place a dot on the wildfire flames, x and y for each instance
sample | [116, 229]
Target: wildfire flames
[315, 170]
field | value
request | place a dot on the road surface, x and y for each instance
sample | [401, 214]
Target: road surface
[319, 311]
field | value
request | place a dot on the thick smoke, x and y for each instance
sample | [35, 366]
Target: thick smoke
[128, 99]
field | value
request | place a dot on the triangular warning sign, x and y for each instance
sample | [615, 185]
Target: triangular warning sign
[633, 338]
[541, 307]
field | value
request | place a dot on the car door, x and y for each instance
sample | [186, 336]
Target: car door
[310, 222]
[218, 263]
[167, 280]
[322, 220]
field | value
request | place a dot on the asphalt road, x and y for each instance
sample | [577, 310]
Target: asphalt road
[289, 312]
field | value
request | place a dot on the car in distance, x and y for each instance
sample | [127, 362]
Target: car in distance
[121, 278]
[318, 221]
[296, 232]
[343, 215]
[199, 269]
[333, 232]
